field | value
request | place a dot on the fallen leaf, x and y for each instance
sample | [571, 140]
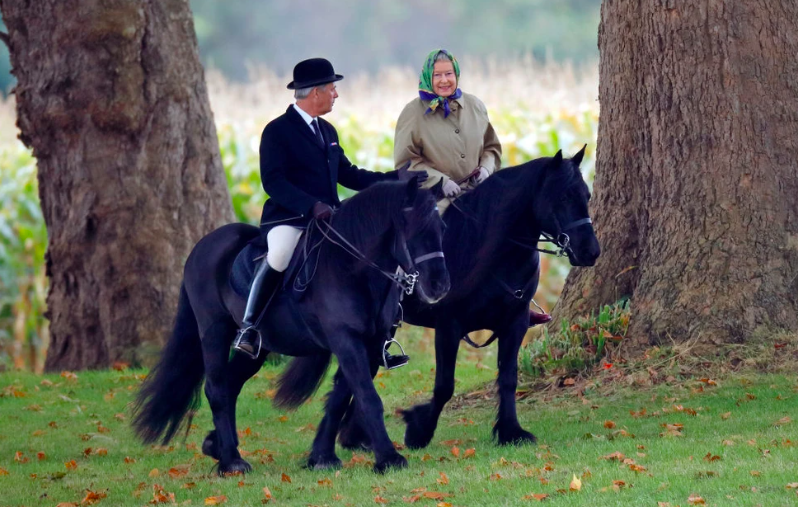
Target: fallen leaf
[696, 500]
[19, 457]
[569, 382]
[792, 485]
[781, 422]
[154, 473]
[189, 485]
[469, 453]
[495, 477]
[41, 456]
[215, 500]
[3, 471]
[71, 465]
[379, 499]
[128, 459]
[617, 456]
[93, 497]
[101, 451]
[179, 471]
[285, 478]
[710, 458]
[576, 484]
[267, 495]
[755, 473]
[536, 496]
[120, 366]
[435, 495]
[69, 375]
[444, 480]
[609, 424]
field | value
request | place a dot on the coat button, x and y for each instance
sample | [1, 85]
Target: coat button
[462, 155]
[456, 131]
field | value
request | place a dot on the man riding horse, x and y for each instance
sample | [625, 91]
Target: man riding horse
[301, 164]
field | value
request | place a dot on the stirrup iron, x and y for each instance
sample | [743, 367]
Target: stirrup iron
[240, 335]
[396, 361]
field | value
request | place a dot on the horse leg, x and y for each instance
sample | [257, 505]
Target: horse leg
[215, 350]
[240, 369]
[322, 454]
[507, 429]
[351, 434]
[354, 362]
[422, 419]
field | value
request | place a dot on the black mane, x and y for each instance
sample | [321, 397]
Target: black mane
[369, 213]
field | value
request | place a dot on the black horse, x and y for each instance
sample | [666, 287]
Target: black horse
[491, 252]
[346, 309]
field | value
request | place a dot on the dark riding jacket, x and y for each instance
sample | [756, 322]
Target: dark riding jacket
[297, 172]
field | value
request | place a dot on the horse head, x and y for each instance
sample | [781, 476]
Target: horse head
[418, 247]
[563, 212]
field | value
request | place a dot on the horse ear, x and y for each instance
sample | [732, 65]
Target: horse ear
[577, 159]
[411, 191]
[557, 159]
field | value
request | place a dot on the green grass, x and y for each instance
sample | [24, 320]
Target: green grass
[91, 412]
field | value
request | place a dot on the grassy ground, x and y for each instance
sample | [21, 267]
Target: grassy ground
[66, 439]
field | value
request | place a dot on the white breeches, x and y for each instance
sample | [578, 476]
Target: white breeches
[282, 241]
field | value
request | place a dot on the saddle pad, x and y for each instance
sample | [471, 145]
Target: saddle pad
[243, 269]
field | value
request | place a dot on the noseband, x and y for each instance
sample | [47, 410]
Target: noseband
[410, 275]
[563, 241]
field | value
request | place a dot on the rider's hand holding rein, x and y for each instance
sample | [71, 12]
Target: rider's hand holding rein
[322, 211]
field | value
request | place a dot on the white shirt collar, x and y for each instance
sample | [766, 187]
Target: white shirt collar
[305, 116]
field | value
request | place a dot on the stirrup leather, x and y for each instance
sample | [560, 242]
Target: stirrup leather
[390, 361]
[240, 335]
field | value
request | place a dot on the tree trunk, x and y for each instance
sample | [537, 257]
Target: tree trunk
[111, 97]
[696, 182]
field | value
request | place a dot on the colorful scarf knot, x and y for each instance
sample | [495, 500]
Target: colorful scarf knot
[425, 90]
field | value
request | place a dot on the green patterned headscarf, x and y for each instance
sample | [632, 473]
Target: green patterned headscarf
[425, 83]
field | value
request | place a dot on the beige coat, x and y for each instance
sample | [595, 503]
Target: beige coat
[447, 148]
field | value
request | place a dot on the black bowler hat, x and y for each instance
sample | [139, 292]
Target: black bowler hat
[313, 72]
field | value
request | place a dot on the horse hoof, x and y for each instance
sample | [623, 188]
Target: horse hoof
[419, 431]
[324, 463]
[394, 462]
[209, 447]
[236, 467]
[513, 436]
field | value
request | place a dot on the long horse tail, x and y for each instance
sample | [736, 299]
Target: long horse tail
[300, 380]
[172, 388]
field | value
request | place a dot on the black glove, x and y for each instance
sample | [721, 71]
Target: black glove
[403, 174]
[322, 211]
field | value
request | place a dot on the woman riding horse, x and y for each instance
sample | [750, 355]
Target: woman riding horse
[491, 251]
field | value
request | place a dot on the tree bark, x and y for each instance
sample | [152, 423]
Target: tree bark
[696, 182]
[111, 97]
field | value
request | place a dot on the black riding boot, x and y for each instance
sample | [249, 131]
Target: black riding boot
[264, 285]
